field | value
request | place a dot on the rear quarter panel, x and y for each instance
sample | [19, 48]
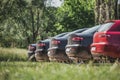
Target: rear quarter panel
[87, 40]
[114, 37]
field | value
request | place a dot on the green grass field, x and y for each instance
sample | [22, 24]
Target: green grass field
[13, 54]
[24, 70]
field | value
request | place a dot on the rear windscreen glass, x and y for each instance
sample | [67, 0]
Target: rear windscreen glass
[91, 30]
[105, 27]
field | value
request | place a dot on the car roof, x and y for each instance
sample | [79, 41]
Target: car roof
[90, 30]
[57, 36]
[61, 34]
[75, 31]
[111, 21]
[33, 44]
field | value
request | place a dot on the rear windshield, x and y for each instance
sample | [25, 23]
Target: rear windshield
[105, 27]
[91, 30]
[62, 34]
[76, 31]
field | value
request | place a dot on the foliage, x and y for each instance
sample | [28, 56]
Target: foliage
[49, 20]
[75, 14]
[23, 22]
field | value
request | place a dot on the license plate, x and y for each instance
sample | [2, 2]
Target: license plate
[93, 48]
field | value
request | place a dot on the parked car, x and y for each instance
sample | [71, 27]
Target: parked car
[106, 41]
[78, 46]
[42, 47]
[56, 51]
[31, 52]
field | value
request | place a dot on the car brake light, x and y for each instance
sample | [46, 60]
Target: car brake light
[41, 44]
[77, 38]
[103, 35]
[55, 42]
[31, 47]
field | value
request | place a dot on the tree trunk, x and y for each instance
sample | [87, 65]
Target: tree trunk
[106, 10]
[33, 27]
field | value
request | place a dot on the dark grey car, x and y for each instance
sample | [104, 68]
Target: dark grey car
[56, 51]
[42, 47]
[78, 46]
[31, 52]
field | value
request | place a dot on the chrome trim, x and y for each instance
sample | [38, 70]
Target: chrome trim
[52, 48]
[39, 50]
[73, 45]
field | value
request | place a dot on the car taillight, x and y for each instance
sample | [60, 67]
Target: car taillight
[77, 38]
[31, 47]
[103, 35]
[55, 42]
[41, 44]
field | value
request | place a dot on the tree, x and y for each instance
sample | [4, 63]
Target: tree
[25, 16]
[75, 14]
[106, 10]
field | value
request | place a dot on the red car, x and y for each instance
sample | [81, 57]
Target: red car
[106, 41]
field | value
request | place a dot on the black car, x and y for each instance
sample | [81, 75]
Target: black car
[56, 51]
[31, 52]
[78, 46]
[42, 47]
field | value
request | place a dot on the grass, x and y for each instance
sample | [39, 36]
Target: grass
[13, 54]
[24, 70]
[57, 71]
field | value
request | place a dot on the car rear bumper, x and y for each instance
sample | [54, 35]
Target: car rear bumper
[71, 50]
[78, 53]
[53, 51]
[52, 48]
[39, 50]
[56, 54]
[99, 48]
[41, 55]
[73, 45]
[105, 49]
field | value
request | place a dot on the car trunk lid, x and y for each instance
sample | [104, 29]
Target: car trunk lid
[74, 40]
